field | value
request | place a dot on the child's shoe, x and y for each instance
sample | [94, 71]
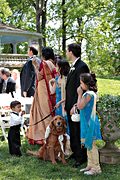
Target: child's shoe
[92, 172]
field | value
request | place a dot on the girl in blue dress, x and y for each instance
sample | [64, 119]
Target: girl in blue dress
[59, 88]
[90, 125]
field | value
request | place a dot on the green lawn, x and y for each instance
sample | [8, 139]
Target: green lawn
[31, 168]
[108, 86]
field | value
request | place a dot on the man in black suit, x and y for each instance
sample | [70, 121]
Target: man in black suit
[73, 82]
[7, 84]
[27, 75]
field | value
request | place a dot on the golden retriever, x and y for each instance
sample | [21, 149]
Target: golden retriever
[52, 149]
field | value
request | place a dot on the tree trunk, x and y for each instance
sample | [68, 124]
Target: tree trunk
[79, 21]
[38, 12]
[63, 28]
[41, 21]
[44, 19]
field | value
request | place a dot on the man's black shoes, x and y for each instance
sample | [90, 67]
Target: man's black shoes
[79, 163]
[76, 165]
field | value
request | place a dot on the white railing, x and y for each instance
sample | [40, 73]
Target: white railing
[12, 60]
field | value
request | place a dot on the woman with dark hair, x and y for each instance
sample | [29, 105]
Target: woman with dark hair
[48, 54]
[63, 68]
[58, 86]
[44, 101]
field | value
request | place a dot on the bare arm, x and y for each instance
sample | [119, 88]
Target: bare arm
[82, 101]
[52, 86]
[59, 103]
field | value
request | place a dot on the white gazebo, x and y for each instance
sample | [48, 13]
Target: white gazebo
[13, 35]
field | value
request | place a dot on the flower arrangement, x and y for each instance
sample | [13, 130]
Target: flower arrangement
[72, 69]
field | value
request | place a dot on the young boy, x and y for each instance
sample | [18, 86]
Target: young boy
[16, 120]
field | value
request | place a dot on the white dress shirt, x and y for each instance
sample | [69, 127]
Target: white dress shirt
[74, 62]
[16, 119]
[72, 68]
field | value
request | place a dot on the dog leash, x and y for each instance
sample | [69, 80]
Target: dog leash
[43, 118]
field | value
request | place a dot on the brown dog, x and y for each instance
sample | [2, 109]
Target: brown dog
[52, 150]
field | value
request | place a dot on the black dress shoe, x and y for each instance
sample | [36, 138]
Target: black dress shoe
[76, 165]
[83, 161]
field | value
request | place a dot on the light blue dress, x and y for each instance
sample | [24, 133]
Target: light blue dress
[90, 124]
[58, 111]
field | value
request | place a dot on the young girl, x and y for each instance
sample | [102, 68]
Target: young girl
[16, 120]
[90, 126]
[58, 87]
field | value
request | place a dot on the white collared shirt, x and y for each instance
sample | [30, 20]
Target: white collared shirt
[15, 119]
[74, 62]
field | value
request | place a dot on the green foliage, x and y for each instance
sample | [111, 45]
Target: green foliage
[95, 23]
[5, 10]
[109, 107]
[102, 44]
[22, 48]
[7, 49]
[23, 14]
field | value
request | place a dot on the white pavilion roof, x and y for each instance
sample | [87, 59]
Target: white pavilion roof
[10, 34]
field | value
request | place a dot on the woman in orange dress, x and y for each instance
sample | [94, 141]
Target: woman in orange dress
[44, 101]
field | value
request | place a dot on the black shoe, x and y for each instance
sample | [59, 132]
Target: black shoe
[76, 165]
[83, 161]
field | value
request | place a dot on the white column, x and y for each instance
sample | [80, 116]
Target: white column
[14, 48]
[29, 42]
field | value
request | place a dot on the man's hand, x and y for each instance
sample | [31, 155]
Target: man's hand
[73, 109]
[24, 94]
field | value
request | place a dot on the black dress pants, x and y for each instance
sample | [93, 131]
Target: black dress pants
[14, 140]
[80, 154]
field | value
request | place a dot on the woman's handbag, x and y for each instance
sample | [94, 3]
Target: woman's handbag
[76, 116]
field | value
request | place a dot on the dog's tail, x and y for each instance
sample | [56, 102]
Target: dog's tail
[33, 153]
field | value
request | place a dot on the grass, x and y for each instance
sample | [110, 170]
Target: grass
[108, 86]
[31, 168]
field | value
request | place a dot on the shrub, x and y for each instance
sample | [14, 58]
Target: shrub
[108, 109]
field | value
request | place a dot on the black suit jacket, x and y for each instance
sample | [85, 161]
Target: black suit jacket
[1, 84]
[73, 82]
[11, 86]
[27, 78]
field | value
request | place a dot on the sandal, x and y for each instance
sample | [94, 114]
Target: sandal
[85, 169]
[92, 172]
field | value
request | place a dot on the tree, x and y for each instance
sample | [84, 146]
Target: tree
[40, 8]
[5, 10]
[63, 27]
[29, 15]
[94, 24]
